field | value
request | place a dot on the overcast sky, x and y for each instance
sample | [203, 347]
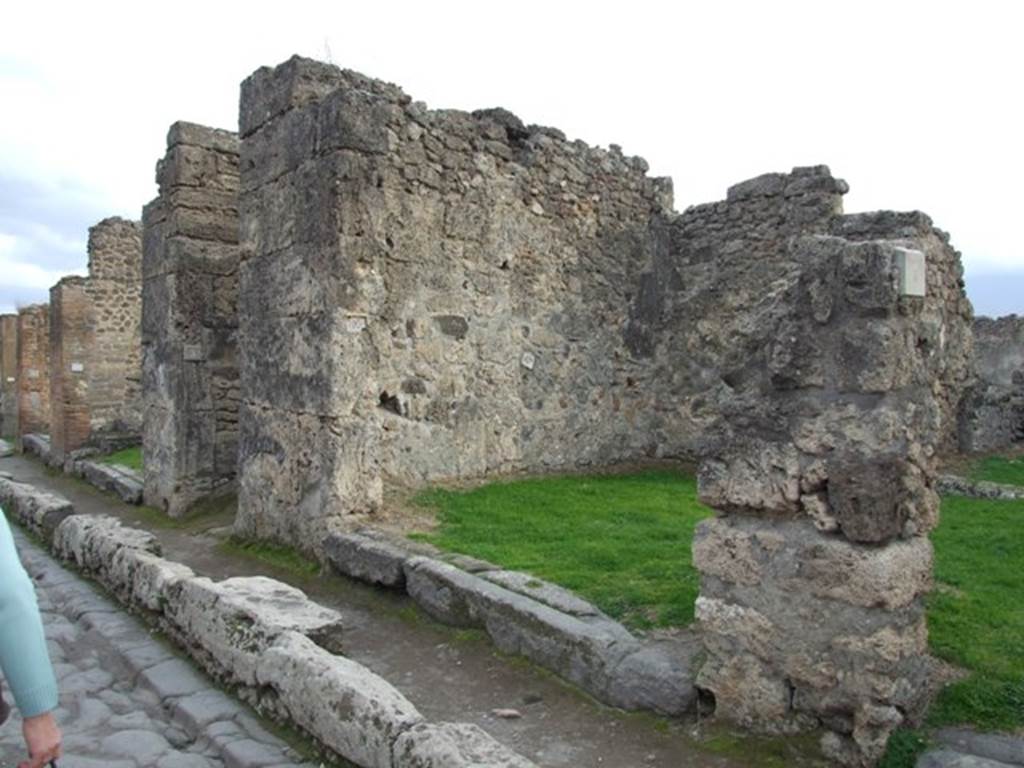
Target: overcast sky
[916, 105]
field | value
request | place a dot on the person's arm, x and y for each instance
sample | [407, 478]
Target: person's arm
[23, 654]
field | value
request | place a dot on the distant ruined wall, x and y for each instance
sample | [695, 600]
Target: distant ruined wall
[190, 320]
[33, 370]
[426, 295]
[8, 375]
[993, 415]
[94, 330]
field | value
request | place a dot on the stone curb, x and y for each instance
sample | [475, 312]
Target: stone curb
[262, 637]
[39, 511]
[543, 622]
[186, 696]
[954, 485]
[120, 480]
[6, 449]
[36, 444]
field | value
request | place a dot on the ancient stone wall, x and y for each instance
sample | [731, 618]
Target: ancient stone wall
[95, 341]
[8, 375]
[33, 375]
[190, 320]
[993, 415]
[430, 294]
[820, 462]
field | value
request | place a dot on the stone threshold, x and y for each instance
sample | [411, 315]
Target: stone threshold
[523, 615]
[118, 479]
[262, 638]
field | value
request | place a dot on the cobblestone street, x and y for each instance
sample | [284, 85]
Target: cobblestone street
[127, 701]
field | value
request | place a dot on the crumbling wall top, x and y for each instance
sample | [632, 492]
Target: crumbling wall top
[115, 250]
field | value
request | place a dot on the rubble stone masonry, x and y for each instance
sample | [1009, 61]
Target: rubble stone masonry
[95, 342]
[33, 376]
[8, 375]
[428, 295]
[190, 320]
[993, 414]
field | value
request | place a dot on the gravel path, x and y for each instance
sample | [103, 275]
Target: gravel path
[127, 701]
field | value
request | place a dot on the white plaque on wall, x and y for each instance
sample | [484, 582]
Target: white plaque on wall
[77, 367]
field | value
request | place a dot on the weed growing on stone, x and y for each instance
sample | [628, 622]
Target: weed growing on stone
[621, 541]
[128, 457]
[905, 746]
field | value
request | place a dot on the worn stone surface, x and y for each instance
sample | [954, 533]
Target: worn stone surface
[190, 320]
[229, 625]
[37, 445]
[106, 718]
[367, 558]
[116, 478]
[992, 746]
[993, 412]
[39, 511]
[948, 758]
[592, 651]
[94, 327]
[452, 745]
[955, 485]
[352, 711]
[8, 376]
[33, 372]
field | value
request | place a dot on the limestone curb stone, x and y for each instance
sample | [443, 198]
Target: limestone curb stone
[6, 449]
[954, 485]
[948, 758]
[116, 478]
[229, 625]
[36, 444]
[452, 745]
[262, 635]
[39, 511]
[353, 711]
[992, 746]
[542, 621]
[144, 712]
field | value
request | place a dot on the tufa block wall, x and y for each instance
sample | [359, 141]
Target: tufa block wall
[94, 328]
[993, 414]
[8, 375]
[33, 385]
[190, 320]
[427, 295]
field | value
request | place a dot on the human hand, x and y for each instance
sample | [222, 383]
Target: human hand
[42, 737]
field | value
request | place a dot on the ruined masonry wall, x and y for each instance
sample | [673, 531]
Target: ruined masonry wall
[33, 376]
[95, 336]
[993, 415]
[821, 464]
[190, 320]
[8, 375]
[427, 295]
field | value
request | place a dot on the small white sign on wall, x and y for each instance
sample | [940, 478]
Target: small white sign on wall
[77, 367]
[10, 379]
[910, 269]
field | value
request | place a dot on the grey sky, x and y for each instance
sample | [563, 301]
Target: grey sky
[916, 105]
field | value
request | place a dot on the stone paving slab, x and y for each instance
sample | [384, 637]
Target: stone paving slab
[126, 700]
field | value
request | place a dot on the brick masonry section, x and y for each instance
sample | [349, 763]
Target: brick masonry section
[33, 370]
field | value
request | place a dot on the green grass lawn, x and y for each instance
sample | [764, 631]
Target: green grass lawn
[621, 541]
[997, 469]
[129, 457]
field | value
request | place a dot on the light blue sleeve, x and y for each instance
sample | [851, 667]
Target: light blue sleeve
[23, 655]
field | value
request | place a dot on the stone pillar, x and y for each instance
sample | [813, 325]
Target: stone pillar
[95, 345]
[33, 385]
[8, 375]
[71, 364]
[821, 469]
[190, 320]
